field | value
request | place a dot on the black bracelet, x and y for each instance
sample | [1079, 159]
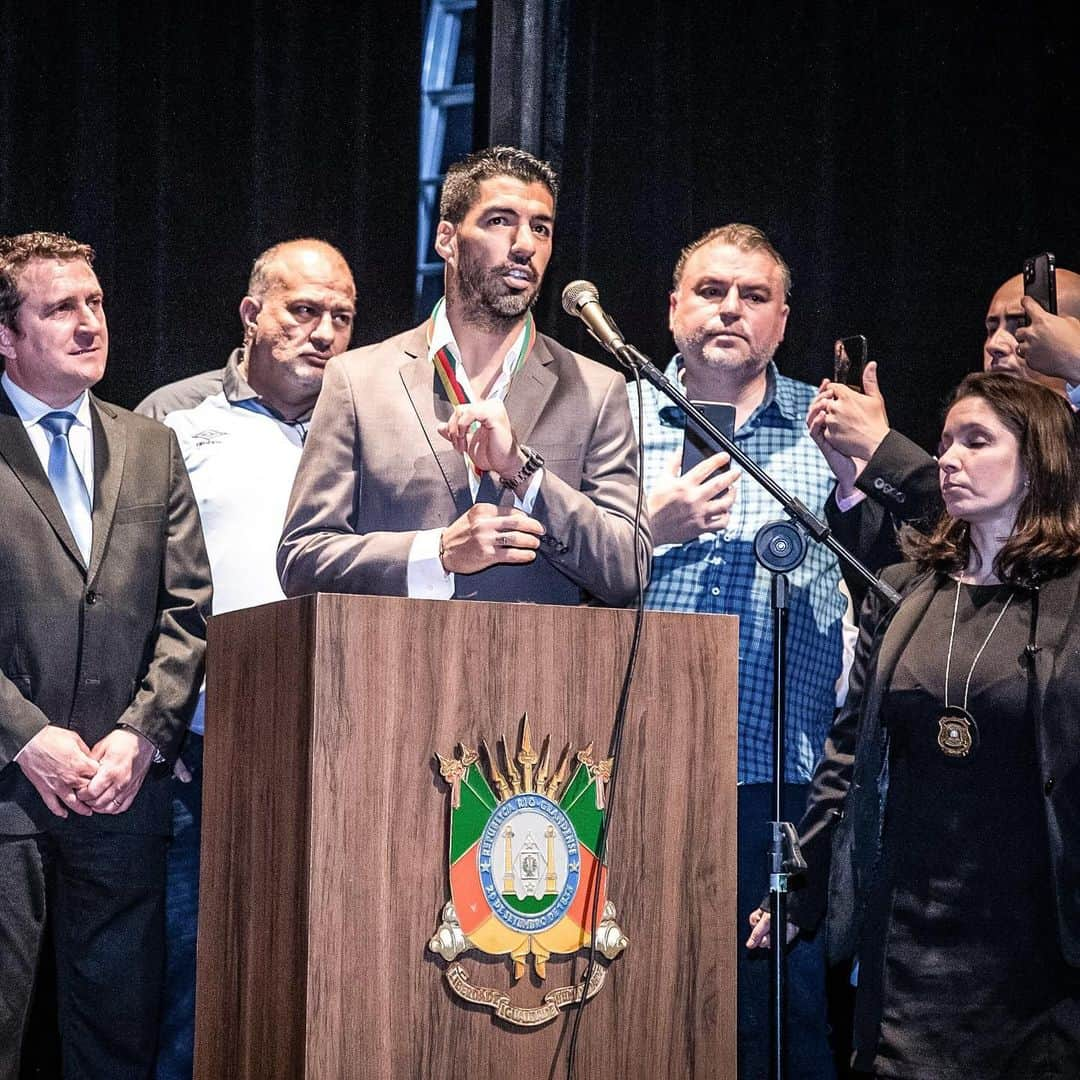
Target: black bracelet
[533, 462]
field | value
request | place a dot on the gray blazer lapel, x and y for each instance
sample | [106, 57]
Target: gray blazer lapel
[533, 385]
[529, 392]
[870, 778]
[110, 450]
[18, 451]
[432, 407]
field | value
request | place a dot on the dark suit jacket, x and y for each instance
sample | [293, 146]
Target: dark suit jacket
[841, 830]
[901, 482]
[119, 641]
[375, 471]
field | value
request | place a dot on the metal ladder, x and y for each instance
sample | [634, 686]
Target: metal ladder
[439, 94]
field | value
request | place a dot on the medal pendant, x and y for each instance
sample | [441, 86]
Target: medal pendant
[958, 735]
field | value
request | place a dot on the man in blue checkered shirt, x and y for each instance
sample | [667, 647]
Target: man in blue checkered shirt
[728, 314]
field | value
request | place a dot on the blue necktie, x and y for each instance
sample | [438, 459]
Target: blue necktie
[67, 481]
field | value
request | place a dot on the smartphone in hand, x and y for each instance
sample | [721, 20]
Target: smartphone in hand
[849, 359]
[1040, 282]
[695, 448]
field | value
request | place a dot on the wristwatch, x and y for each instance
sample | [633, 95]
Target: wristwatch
[533, 462]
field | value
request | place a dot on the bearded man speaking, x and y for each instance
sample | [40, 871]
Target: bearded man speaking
[471, 457]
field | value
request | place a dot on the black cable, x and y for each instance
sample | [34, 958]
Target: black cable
[615, 745]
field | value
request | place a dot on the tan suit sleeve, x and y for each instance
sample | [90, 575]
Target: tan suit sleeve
[589, 532]
[321, 549]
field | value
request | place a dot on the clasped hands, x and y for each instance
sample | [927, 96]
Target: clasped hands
[487, 534]
[72, 777]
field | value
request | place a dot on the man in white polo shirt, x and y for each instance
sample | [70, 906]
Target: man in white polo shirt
[241, 445]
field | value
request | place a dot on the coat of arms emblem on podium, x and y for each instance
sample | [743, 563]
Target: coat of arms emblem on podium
[524, 870]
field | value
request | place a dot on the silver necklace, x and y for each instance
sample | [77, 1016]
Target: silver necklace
[958, 734]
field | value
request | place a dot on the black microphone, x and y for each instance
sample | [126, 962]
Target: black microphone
[581, 299]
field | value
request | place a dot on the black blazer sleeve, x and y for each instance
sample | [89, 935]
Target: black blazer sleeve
[868, 531]
[901, 482]
[903, 478]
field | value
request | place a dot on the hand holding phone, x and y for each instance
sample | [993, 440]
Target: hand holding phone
[1047, 342]
[1040, 281]
[696, 493]
[695, 448]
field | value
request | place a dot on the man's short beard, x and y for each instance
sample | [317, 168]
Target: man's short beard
[757, 360]
[484, 305]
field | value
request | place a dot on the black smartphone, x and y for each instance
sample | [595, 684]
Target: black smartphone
[694, 447]
[849, 359]
[1039, 281]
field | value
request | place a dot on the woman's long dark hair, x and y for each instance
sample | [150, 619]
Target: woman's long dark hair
[1045, 540]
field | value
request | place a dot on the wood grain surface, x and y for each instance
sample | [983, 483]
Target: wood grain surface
[325, 837]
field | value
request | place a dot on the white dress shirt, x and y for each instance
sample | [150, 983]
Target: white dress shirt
[425, 576]
[80, 437]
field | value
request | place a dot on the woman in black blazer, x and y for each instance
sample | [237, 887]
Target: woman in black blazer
[942, 833]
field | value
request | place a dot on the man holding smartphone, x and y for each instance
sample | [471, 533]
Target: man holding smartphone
[728, 312]
[1050, 343]
[882, 476]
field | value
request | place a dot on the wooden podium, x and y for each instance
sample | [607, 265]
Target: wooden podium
[324, 852]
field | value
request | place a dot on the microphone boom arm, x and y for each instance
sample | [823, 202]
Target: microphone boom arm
[796, 510]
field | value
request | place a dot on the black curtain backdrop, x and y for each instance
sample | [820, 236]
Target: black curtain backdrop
[180, 140]
[903, 161]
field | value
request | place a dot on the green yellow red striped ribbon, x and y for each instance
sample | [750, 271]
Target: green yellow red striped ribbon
[446, 365]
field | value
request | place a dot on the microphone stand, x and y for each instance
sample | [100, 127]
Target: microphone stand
[778, 546]
[801, 514]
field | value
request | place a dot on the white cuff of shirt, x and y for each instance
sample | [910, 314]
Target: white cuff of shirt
[1073, 394]
[526, 502]
[425, 577]
[844, 505]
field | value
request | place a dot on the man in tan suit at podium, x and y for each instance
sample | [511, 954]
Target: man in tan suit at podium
[471, 457]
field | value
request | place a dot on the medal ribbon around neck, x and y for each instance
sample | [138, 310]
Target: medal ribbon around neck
[958, 734]
[446, 364]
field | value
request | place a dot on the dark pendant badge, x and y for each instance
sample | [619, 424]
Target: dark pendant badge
[958, 734]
